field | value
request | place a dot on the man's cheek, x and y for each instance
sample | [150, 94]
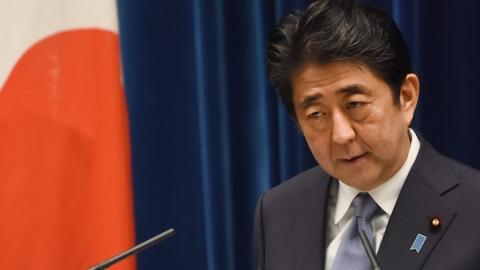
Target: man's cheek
[323, 159]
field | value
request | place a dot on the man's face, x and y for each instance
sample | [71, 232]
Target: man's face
[351, 123]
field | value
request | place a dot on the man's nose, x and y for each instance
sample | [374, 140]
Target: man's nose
[342, 130]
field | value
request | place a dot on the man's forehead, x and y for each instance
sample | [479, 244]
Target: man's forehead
[338, 74]
[323, 73]
[342, 76]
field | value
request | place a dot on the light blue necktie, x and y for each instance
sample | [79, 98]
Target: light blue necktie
[351, 254]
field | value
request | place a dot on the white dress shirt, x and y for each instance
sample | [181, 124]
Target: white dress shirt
[341, 213]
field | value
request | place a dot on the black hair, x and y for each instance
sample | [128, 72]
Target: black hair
[330, 30]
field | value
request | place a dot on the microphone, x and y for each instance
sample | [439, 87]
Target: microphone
[136, 249]
[369, 250]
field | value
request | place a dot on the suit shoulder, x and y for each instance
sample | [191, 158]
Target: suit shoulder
[442, 173]
[466, 174]
[295, 186]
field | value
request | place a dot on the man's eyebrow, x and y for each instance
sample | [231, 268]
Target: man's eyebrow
[309, 100]
[346, 91]
[352, 90]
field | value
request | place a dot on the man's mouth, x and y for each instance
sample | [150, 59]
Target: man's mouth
[353, 159]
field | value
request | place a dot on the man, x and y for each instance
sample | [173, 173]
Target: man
[343, 72]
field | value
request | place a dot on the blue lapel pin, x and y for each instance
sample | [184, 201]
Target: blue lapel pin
[418, 242]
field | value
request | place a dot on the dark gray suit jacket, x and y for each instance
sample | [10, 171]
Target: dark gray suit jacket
[290, 220]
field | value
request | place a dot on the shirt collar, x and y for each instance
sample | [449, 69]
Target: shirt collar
[386, 194]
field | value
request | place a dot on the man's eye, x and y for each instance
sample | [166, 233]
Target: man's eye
[354, 105]
[315, 115]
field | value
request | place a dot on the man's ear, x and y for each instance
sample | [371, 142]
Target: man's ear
[409, 93]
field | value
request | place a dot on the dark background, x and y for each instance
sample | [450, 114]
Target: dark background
[209, 134]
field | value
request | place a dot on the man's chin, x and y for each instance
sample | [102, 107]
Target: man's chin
[359, 181]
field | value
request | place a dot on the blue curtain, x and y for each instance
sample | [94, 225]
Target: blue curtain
[209, 134]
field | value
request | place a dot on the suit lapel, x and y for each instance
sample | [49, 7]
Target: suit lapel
[423, 198]
[309, 214]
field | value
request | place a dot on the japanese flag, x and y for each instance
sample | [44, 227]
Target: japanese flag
[65, 177]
